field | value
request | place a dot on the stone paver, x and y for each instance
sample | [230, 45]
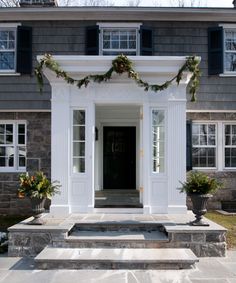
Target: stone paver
[208, 270]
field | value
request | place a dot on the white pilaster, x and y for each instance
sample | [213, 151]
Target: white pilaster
[60, 137]
[176, 154]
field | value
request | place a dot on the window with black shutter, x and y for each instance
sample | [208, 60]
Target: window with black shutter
[92, 40]
[24, 50]
[146, 41]
[215, 51]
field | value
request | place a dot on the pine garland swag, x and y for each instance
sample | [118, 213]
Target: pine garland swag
[121, 64]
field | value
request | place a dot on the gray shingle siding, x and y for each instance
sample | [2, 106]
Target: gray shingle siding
[68, 38]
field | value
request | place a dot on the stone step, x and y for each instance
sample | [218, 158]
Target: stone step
[117, 237]
[61, 258]
[122, 234]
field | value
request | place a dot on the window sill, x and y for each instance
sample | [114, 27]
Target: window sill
[9, 170]
[229, 74]
[3, 74]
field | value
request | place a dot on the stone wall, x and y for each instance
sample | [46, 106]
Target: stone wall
[227, 177]
[38, 157]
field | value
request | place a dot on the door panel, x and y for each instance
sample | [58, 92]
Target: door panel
[119, 158]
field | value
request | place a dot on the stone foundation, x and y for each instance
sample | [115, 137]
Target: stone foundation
[38, 157]
[29, 240]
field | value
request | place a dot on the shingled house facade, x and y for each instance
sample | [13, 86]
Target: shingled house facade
[77, 127]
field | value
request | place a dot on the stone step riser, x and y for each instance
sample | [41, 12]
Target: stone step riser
[69, 264]
[118, 227]
[113, 244]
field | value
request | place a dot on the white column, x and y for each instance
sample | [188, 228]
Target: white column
[146, 159]
[176, 155]
[60, 136]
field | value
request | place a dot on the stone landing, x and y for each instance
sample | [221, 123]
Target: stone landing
[168, 231]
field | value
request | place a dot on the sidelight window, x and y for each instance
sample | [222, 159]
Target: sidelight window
[158, 141]
[79, 141]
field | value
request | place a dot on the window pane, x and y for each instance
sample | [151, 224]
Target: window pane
[106, 44]
[211, 129]
[79, 149]
[211, 140]
[2, 128]
[79, 133]
[158, 117]
[2, 139]
[115, 44]
[21, 128]
[9, 139]
[227, 129]
[7, 60]
[79, 117]
[21, 139]
[195, 140]
[21, 156]
[203, 129]
[227, 140]
[203, 140]
[7, 156]
[78, 165]
[9, 129]
[230, 62]
[195, 129]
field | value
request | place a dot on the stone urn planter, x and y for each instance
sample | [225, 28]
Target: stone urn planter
[37, 205]
[38, 188]
[199, 187]
[199, 202]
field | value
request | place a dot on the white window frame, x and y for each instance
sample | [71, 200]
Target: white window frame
[208, 146]
[227, 146]
[15, 144]
[165, 140]
[225, 28]
[85, 141]
[220, 145]
[119, 26]
[10, 27]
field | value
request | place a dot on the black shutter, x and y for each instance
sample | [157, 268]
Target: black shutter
[215, 51]
[24, 50]
[92, 40]
[146, 41]
[189, 145]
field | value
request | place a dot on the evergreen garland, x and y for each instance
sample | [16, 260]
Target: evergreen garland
[121, 64]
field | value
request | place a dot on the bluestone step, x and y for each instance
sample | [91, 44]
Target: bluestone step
[61, 258]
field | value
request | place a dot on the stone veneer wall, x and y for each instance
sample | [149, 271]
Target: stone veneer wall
[38, 157]
[228, 178]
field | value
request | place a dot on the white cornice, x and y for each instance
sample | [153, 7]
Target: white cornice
[119, 14]
[152, 67]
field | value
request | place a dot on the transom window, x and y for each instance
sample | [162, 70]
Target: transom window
[12, 146]
[204, 145]
[158, 141]
[119, 40]
[78, 141]
[7, 49]
[230, 50]
[230, 146]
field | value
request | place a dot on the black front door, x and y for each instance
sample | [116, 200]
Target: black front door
[119, 158]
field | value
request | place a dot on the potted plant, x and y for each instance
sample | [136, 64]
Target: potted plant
[38, 188]
[200, 187]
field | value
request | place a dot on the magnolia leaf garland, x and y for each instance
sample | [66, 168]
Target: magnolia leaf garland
[121, 64]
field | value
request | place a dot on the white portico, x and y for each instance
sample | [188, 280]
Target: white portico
[115, 135]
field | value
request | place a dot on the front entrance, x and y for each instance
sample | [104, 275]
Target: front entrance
[119, 158]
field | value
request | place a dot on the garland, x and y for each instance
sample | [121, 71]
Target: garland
[121, 64]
